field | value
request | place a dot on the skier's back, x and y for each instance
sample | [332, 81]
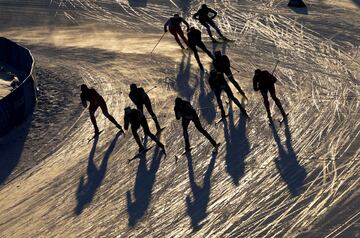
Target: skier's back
[184, 110]
[174, 25]
[194, 38]
[264, 82]
[202, 15]
[140, 98]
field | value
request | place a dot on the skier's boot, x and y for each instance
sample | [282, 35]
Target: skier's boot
[163, 148]
[216, 147]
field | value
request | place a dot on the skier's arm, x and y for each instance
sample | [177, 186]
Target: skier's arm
[83, 100]
[196, 16]
[166, 25]
[213, 12]
[126, 122]
[186, 23]
[177, 113]
[273, 78]
[255, 84]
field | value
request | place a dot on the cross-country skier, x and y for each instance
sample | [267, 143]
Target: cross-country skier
[96, 101]
[265, 82]
[137, 119]
[184, 110]
[194, 37]
[202, 15]
[140, 98]
[174, 25]
[222, 64]
[218, 84]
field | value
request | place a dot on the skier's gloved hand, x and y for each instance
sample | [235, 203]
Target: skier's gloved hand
[165, 30]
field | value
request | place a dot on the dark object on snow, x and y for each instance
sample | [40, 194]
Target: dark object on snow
[184, 110]
[296, 3]
[140, 98]
[174, 25]
[222, 65]
[194, 38]
[96, 101]
[265, 82]
[218, 84]
[202, 15]
[137, 119]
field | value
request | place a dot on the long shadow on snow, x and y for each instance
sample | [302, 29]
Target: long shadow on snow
[144, 183]
[196, 207]
[357, 2]
[85, 192]
[183, 78]
[237, 147]
[137, 3]
[207, 107]
[289, 168]
[11, 148]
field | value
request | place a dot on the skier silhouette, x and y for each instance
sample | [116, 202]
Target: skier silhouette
[265, 82]
[184, 110]
[218, 84]
[222, 65]
[140, 98]
[137, 119]
[96, 101]
[194, 37]
[202, 15]
[174, 25]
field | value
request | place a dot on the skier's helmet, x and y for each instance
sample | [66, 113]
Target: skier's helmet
[178, 101]
[257, 71]
[217, 54]
[176, 15]
[133, 87]
[83, 87]
[204, 6]
[127, 110]
[192, 28]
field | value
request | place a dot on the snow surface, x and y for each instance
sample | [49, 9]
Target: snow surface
[299, 180]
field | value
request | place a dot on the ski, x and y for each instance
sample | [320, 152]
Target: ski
[222, 118]
[94, 136]
[140, 153]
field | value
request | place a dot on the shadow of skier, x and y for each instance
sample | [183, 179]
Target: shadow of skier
[289, 168]
[196, 207]
[86, 191]
[144, 183]
[183, 78]
[237, 147]
[207, 106]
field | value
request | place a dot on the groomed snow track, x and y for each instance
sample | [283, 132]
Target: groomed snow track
[298, 180]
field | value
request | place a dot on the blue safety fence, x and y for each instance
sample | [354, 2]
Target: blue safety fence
[20, 103]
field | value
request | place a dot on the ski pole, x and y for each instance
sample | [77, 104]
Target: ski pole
[158, 42]
[150, 89]
[277, 62]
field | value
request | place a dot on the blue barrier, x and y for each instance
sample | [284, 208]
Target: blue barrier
[20, 103]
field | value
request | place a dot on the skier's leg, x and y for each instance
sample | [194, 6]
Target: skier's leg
[212, 23]
[181, 34]
[198, 126]
[196, 55]
[92, 111]
[185, 125]
[173, 31]
[219, 102]
[206, 25]
[106, 113]
[234, 99]
[266, 103]
[203, 47]
[276, 100]
[140, 107]
[136, 137]
[147, 131]
[152, 114]
[232, 80]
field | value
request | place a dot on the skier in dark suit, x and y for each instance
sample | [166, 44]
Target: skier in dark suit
[174, 25]
[184, 110]
[96, 101]
[194, 38]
